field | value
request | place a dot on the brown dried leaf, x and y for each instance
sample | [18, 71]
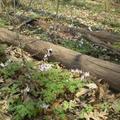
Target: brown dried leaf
[1, 80]
[96, 115]
[81, 92]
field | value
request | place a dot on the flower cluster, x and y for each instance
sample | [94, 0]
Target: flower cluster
[6, 63]
[45, 67]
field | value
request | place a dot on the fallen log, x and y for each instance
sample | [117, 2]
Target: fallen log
[106, 36]
[108, 71]
[101, 43]
[101, 38]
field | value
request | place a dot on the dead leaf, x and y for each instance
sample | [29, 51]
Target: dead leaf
[92, 86]
[1, 80]
[116, 105]
[96, 115]
[81, 92]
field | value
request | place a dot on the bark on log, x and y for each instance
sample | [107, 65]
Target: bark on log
[109, 72]
[101, 43]
[102, 38]
[106, 36]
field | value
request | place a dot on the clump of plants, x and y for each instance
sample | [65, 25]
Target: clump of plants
[33, 91]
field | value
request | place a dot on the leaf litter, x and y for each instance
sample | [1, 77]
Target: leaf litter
[86, 103]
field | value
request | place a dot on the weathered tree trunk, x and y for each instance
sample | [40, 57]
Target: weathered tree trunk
[103, 44]
[106, 36]
[109, 72]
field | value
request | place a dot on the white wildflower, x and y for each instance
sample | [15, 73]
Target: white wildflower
[86, 74]
[27, 89]
[45, 106]
[8, 62]
[72, 70]
[90, 29]
[76, 71]
[2, 65]
[45, 67]
[80, 71]
[81, 42]
[82, 77]
[45, 58]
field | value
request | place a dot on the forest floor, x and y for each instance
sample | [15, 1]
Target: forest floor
[39, 90]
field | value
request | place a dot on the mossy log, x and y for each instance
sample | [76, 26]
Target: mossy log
[105, 70]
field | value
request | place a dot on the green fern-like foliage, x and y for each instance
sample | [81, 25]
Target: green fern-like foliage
[24, 110]
[10, 69]
[56, 82]
[45, 87]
